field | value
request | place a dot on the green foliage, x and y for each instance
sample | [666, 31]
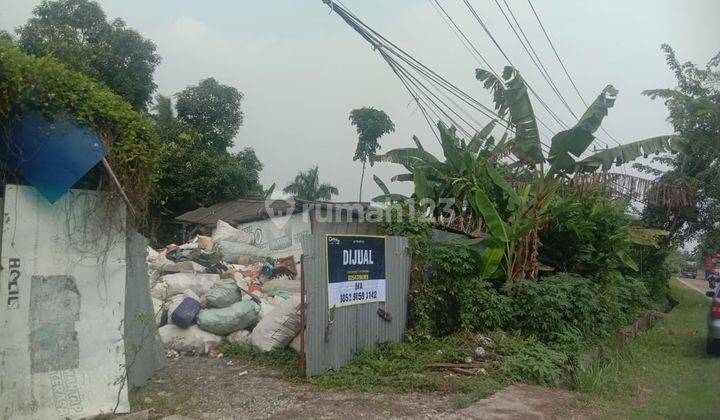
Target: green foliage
[371, 124]
[416, 229]
[285, 358]
[213, 110]
[530, 360]
[49, 87]
[484, 308]
[694, 112]
[76, 33]
[192, 175]
[588, 234]
[556, 305]
[307, 186]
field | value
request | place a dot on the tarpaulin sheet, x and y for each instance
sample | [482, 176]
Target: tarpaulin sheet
[53, 154]
[62, 292]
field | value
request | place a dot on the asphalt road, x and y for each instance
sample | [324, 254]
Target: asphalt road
[699, 283]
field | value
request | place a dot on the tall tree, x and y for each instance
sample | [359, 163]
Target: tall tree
[77, 33]
[213, 109]
[694, 107]
[371, 124]
[306, 186]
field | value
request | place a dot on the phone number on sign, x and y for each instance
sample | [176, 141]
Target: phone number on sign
[358, 296]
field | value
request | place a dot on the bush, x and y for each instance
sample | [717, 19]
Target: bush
[531, 360]
[49, 87]
[483, 308]
[560, 304]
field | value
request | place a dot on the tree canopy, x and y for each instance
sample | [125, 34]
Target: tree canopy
[371, 124]
[47, 86]
[77, 33]
[213, 109]
[694, 107]
[307, 186]
[195, 171]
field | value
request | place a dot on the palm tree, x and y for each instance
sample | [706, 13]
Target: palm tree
[306, 186]
[371, 124]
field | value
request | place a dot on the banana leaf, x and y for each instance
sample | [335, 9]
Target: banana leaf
[578, 138]
[492, 219]
[491, 259]
[526, 144]
[629, 152]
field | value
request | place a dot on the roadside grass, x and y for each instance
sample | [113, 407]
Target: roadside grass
[285, 360]
[663, 373]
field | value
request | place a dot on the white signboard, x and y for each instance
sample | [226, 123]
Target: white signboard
[280, 236]
[62, 291]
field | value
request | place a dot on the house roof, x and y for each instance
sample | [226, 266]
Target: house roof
[245, 210]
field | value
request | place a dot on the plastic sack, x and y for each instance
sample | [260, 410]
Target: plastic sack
[223, 294]
[158, 309]
[240, 337]
[295, 343]
[184, 315]
[281, 284]
[204, 242]
[225, 232]
[173, 284]
[232, 251]
[278, 328]
[192, 339]
[237, 316]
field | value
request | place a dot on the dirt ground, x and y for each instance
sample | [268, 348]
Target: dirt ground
[202, 387]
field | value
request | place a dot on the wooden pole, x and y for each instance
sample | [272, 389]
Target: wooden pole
[117, 182]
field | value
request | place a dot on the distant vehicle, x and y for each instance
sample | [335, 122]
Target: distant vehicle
[689, 270]
[713, 339]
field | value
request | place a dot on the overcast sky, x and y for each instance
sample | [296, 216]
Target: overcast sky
[303, 69]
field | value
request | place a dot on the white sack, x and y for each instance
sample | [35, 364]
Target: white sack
[295, 343]
[158, 307]
[240, 337]
[191, 339]
[281, 284]
[225, 232]
[174, 284]
[279, 327]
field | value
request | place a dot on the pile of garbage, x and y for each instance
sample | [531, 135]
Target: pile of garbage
[224, 287]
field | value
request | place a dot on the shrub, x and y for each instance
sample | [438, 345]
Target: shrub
[483, 308]
[531, 360]
[555, 305]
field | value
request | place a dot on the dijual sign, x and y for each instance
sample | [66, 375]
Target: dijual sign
[355, 269]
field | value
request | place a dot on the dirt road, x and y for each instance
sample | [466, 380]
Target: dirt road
[202, 387]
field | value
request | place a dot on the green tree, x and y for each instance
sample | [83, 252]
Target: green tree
[213, 109]
[694, 107]
[371, 124]
[306, 186]
[77, 33]
[192, 175]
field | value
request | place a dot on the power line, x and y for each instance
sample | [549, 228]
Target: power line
[562, 64]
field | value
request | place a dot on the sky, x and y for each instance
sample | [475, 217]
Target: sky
[302, 69]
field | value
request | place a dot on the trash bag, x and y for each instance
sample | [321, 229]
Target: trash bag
[240, 337]
[158, 309]
[223, 321]
[281, 284]
[174, 284]
[295, 343]
[184, 315]
[278, 328]
[223, 294]
[192, 339]
[204, 242]
[225, 232]
[232, 251]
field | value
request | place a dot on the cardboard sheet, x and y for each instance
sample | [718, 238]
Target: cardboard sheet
[62, 292]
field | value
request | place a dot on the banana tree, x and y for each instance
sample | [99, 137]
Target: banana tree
[473, 175]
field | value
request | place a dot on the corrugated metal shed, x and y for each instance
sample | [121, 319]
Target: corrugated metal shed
[353, 327]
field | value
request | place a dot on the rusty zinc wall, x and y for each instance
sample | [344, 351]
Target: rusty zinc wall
[354, 327]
